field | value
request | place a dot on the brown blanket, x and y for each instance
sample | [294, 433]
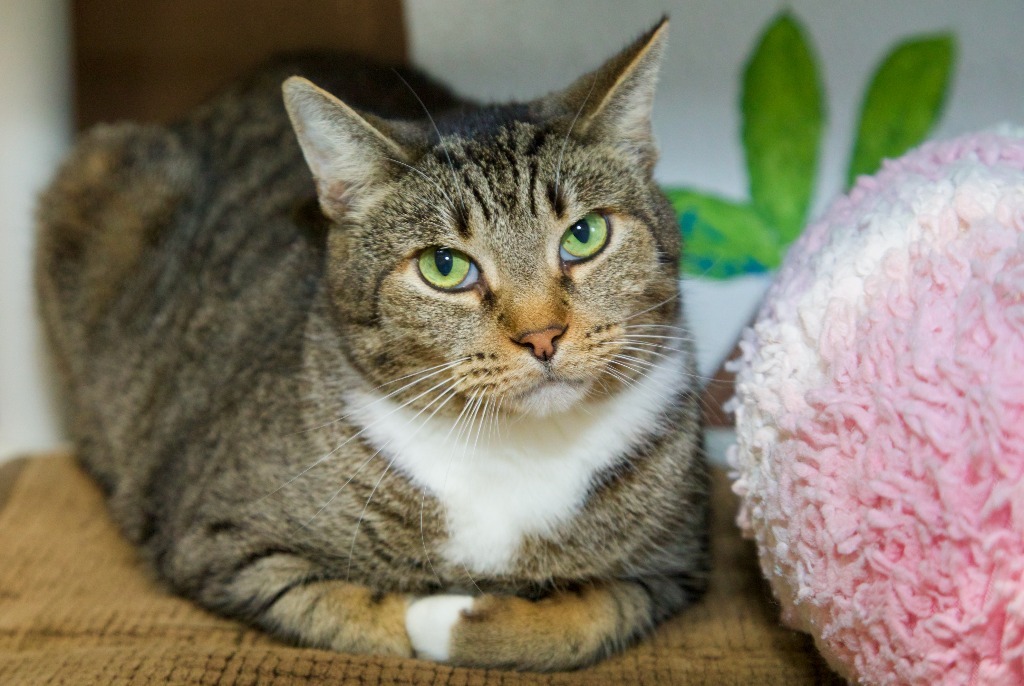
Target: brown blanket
[77, 607]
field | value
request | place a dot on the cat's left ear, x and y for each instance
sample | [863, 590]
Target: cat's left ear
[613, 103]
[346, 151]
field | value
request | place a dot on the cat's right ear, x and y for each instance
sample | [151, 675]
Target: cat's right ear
[613, 103]
[346, 152]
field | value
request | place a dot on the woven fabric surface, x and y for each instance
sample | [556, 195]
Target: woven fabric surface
[77, 606]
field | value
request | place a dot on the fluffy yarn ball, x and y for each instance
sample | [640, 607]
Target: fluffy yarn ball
[880, 422]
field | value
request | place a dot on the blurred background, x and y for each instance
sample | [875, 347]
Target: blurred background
[65, 65]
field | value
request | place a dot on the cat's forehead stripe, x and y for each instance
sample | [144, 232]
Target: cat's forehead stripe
[540, 136]
[481, 202]
[495, 173]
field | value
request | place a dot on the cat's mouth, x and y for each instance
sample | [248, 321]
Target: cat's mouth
[551, 396]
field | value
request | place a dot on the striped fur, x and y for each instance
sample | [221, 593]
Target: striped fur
[246, 345]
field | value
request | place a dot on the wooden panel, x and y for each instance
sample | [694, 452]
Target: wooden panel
[150, 60]
[9, 472]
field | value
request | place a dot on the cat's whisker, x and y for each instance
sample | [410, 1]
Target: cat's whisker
[647, 348]
[441, 368]
[451, 389]
[485, 423]
[645, 364]
[465, 408]
[483, 420]
[641, 368]
[455, 208]
[468, 408]
[497, 417]
[472, 580]
[666, 393]
[467, 427]
[625, 340]
[469, 575]
[423, 492]
[661, 388]
[650, 348]
[706, 407]
[662, 338]
[652, 307]
[628, 365]
[475, 430]
[603, 385]
[423, 540]
[658, 326]
[494, 417]
[338, 491]
[673, 342]
[391, 462]
[706, 381]
[568, 134]
[646, 351]
[615, 374]
[422, 375]
[440, 139]
[648, 364]
[348, 440]
[471, 428]
[585, 410]
[479, 429]
[362, 513]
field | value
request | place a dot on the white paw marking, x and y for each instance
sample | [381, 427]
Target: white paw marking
[429, 622]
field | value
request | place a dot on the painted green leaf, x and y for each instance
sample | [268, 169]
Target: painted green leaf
[783, 116]
[722, 239]
[903, 102]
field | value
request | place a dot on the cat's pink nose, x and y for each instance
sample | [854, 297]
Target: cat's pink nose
[542, 343]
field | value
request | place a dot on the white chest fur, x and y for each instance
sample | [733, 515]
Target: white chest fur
[526, 477]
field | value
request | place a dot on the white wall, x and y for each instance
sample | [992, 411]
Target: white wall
[34, 133]
[497, 49]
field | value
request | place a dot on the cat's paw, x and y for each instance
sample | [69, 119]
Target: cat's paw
[429, 622]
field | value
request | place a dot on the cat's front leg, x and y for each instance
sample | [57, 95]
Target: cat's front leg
[343, 616]
[565, 630]
[294, 599]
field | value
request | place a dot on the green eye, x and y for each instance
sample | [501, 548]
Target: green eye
[585, 238]
[447, 269]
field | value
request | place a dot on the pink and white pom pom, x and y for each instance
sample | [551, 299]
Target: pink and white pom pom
[880, 422]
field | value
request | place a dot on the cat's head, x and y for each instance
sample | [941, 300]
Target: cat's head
[519, 253]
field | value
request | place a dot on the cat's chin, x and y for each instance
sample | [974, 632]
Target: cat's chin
[551, 397]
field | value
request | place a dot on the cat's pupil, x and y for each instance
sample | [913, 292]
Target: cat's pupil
[444, 261]
[581, 230]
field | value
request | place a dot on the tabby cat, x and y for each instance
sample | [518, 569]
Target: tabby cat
[390, 374]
